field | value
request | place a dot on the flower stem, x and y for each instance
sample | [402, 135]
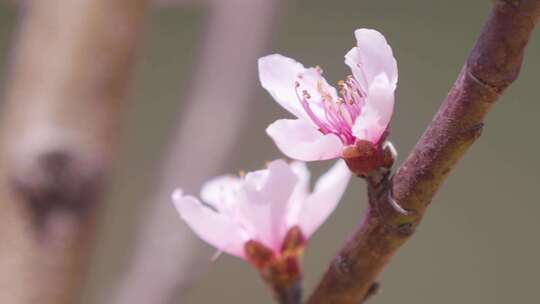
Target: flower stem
[288, 293]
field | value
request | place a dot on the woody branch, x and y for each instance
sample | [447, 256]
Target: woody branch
[68, 82]
[492, 65]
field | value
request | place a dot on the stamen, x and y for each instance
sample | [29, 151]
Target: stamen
[324, 128]
[325, 95]
[339, 114]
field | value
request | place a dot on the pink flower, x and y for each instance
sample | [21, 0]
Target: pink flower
[327, 122]
[262, 206]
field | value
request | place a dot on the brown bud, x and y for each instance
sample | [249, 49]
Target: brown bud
[258, 254]
[363, 157]
[294, 241]
[282, 271]
[293, 265]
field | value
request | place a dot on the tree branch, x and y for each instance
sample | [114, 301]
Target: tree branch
[69, 78]
[493, 64]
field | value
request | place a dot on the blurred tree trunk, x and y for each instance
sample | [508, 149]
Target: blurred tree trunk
[167, 256]
[62, 110]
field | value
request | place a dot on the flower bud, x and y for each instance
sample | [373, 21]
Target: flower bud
[365, 158]
[294, 242]
[282, 272]
[259, 255]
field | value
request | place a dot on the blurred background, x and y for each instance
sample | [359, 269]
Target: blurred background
[196, 110]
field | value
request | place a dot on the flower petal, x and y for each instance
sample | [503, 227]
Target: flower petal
[377, 112]
[301, 191]
[329, 189]
[221, 191]
[299, 140]
[371, 57]
[279, 74]
[212, 227]
[302, 173]
[268, 193]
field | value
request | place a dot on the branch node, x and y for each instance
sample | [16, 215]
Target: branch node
[474, 131]
[342, 264]
[406, 229]
[56, 180]
[396, 205]
[478, 80]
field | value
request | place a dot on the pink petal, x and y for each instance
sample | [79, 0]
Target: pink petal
[212, 227]
[268, 193]
[371, 57]
[221, 191]
[377, 111]
[302, 173]
[329, 189]
[279, 74]
[298, 139]
[311, 80]
[301, 191]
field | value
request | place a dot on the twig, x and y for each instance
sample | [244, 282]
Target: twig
[69, 78]
[236, 35]
[493, 64]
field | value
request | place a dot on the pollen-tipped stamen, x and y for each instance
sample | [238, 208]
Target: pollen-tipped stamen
[340, 114]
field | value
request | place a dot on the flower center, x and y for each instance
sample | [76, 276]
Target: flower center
[334, 116]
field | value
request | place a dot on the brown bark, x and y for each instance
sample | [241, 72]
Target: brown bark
[68, 81]
[493, 64]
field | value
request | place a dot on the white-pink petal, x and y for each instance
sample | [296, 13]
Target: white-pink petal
[298, 139]
[278, 75]
[213, 227]
[301, 192]
[221, 191]
[301, 189]
[268, 193]
[371, 57]
[377, 111]
[312, 81]
[326, 195]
